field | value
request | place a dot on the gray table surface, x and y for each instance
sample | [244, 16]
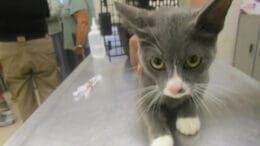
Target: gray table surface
[109, 117]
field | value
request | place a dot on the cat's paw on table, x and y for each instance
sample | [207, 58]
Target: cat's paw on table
[165, 140]
[188, 125]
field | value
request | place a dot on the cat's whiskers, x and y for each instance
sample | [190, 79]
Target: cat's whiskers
[155, 98]
[154, 105]
[194, 100]
[217, 86]
[210, 98]
[197, 95]
[222, 93]
[143, 99]
[152, 101]
[226, 98]
[145, 89]
[227, 102]
[211, 102]
[142, 110]
[201, 91]
[158, 105]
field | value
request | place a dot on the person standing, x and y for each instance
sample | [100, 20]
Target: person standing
[6, 115]
[26, 54]
[55, 31]
[76, 18]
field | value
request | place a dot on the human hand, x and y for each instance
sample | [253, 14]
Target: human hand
[139, 70]
[133, 50]
[79, 50]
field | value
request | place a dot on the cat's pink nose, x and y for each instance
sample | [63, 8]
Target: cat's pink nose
[175, 90]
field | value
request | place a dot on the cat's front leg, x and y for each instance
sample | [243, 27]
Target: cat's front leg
[188, 122]
[158, 129]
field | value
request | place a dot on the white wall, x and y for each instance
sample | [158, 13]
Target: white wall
[227, 39]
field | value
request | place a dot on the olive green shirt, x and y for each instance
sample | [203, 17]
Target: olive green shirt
[54, 23]
[69, 23]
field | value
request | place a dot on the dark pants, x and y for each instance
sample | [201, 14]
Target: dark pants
[73, 59]
[62, 61]
[66, 58]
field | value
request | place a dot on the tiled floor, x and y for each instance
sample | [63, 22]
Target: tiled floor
[6, 132]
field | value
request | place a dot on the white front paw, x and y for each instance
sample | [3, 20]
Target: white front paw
[165, 140]
[188, 125]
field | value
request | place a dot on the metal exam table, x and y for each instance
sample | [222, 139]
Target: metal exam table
[108, 117]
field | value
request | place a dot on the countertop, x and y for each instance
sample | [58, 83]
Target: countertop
[108, 117]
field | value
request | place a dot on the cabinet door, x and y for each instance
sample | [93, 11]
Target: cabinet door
[246, 43]
[256, 73]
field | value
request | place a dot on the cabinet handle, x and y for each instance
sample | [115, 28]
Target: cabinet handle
[251, 48]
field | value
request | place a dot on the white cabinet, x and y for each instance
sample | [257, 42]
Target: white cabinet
[247, 53]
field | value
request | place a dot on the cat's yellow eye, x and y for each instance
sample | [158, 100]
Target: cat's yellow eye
[157, 63]
[193, 62]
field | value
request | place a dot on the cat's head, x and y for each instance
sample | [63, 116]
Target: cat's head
[177, 46]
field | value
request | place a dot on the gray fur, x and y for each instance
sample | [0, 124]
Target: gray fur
[173, 34]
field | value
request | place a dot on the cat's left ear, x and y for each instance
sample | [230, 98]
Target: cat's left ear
[211, 19]
[134, 18]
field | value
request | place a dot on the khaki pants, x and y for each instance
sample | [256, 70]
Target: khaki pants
[24, 62]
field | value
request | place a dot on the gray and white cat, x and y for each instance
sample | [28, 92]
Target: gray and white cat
[177, 48]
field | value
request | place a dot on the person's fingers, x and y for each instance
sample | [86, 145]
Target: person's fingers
[139, 70]
[133, 53]
[133, 48]
[133, 56]
[79, 51]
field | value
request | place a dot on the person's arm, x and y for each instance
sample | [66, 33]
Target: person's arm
[196, 4]
[81, 18]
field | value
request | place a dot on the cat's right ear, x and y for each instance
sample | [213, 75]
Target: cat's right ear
[134, 18]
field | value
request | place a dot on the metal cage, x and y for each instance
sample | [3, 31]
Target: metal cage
[115, 35]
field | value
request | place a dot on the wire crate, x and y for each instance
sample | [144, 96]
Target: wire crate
[115, 35]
